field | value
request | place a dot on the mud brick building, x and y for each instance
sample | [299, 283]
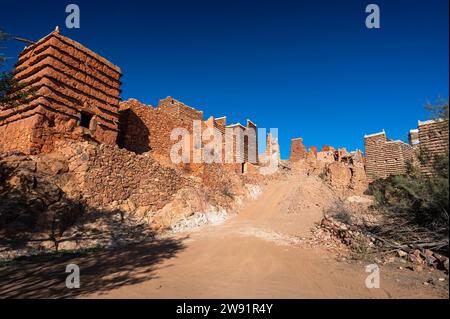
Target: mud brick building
[144, 128]
[433, 142]
[77, 95]
[385, 157]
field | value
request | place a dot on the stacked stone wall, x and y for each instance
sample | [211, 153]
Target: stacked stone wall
[433, 137]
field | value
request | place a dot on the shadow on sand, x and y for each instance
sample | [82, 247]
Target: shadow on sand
[45, 276]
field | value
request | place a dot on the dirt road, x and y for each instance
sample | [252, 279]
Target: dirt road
[260, 253]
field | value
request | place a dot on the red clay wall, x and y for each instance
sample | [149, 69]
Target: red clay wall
[179, 110]
[298, 150]
[145, 128]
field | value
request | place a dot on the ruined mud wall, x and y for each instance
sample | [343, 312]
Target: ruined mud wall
[100, 176]
[348, 179]
[179, 110]
[298, 150]
[144, 128]
[147, 129]
[433, 142]
[325, 156]
[108, 175]
[70, 80]
[80, 178]
[384, 158]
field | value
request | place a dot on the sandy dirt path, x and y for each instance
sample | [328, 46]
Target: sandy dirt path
[258, 254]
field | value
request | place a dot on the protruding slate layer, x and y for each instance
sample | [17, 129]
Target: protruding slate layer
[71, 82]
[433, 142]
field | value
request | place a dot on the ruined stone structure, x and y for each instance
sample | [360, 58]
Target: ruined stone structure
[77, 95]
[144, 128]
[327, 148]
[386, 157]
[433, 142]
[327, 154]
[354, 158]
[298, 150]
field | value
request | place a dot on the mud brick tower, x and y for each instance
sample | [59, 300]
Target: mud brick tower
[77, 96]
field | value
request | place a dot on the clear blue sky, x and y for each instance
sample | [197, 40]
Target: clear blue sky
[310, 68]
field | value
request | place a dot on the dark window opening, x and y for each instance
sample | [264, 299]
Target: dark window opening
[85, 120]
[51, 122]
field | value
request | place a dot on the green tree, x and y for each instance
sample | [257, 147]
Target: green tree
[417, 201]
[12, 92]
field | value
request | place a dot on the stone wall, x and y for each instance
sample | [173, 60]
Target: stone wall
[88, 193]
[179, 110]
[145, 128]
[433, 142]
[298, 150]
[104, 176]
[349, 179]
[75, 87]
[80, 181]
[384, 157]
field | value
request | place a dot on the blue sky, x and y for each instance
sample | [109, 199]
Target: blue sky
[309, 68]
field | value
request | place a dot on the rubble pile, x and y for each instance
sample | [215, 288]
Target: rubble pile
[346, 178]
[424, 258]
[334, 232]
[338, 235]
